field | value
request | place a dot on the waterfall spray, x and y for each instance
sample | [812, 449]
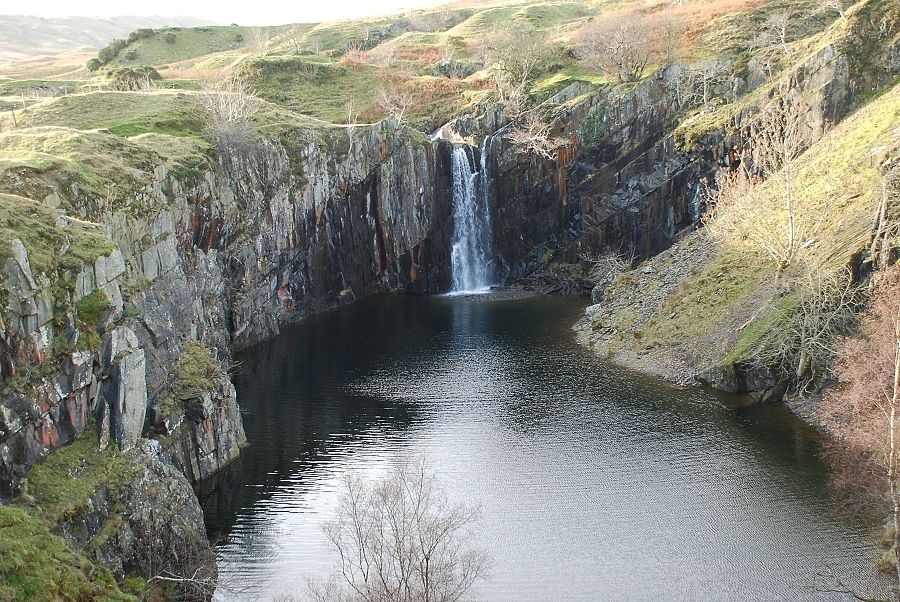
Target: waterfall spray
[471, 251]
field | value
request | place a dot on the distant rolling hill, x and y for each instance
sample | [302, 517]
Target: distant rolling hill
[24, 38]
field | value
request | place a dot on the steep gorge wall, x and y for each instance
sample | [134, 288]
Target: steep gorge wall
[205, 261]
[636, 186]
[224, 256]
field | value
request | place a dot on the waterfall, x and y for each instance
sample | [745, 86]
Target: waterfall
[471, 251]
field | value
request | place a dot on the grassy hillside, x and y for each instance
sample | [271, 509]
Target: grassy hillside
[712, 302]
[172, 44]
[437, 62]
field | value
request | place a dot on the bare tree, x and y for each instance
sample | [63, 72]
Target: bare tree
[776, 143]
[605, 267]
[230, 108]
[886, 224]
[835, 6]
[533, 133]
[697, 84]
[621, 46]
[772, 41]
[351, 127]
[180, 562]
[401, 540]
[295, 38]
[260, 40]
[514, 60]
[395, 102]
[801, 346]
[772, 220]
[862, 414]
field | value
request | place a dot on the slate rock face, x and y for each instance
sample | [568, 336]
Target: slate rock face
[137, 523]
[224, 257]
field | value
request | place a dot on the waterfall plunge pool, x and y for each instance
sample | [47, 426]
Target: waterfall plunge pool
[594, 483]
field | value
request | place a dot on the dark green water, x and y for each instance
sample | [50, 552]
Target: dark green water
[594, 484]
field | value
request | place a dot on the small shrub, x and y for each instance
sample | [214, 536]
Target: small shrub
[169, 37]
[127, 79]
[197, 369]
[139, 34]
[594, 128]
[108, 53]
[89, 310]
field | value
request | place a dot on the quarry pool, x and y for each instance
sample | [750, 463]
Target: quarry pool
[594, 483]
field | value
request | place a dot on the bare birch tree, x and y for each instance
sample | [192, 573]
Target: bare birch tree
[401, 540]
[621, 46]
[772, 41]
[757, 206]
[837, 6]
[801, 346]
[230, 108]
[862, 414]
[886, 224]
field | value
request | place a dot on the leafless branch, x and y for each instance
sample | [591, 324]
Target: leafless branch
[401, 540]
[230, 108]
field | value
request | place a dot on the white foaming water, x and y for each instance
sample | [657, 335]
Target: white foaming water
[471, 251]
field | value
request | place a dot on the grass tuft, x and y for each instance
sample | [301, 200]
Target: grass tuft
[39, 566]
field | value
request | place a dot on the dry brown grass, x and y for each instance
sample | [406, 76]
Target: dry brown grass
[66, 65]
[190, 72]
[686, 22]
[697, 16]
[422, 94]
[353, 58]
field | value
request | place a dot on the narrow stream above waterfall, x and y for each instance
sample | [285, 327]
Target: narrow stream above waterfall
[594, 483]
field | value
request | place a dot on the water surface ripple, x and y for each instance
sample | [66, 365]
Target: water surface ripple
[594, 484]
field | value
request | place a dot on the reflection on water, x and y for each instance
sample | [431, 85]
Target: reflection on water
[593, 483]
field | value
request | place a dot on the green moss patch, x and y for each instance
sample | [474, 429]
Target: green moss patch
[49, 245]
[551, 83]
[197, 369]
[89, 310]
[62, 483]
[39, 566]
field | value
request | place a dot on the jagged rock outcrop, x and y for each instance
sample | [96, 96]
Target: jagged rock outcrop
[224, 255]
[136, 523]
[201, 429]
